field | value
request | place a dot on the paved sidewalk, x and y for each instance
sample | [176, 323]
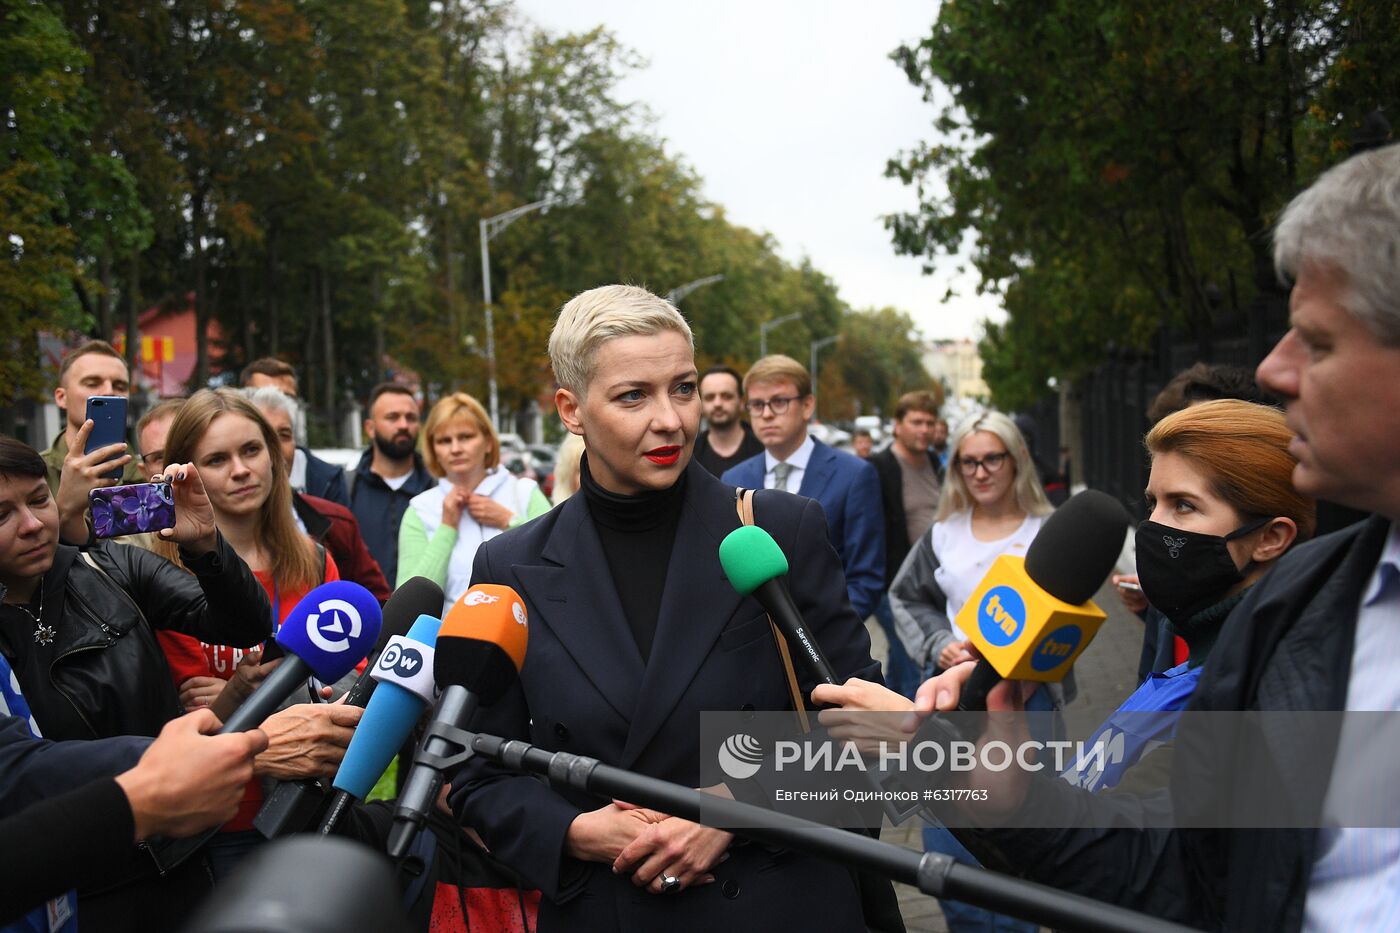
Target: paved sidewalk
[1106, 674]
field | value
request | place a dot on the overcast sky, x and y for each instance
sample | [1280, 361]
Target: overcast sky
[789, 110]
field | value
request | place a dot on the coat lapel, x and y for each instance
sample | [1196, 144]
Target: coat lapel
[696, 604]
[571, 591]
[821, 467]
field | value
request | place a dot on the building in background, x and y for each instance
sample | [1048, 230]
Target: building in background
[958, 365]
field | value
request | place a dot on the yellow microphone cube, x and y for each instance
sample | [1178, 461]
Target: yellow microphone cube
[1023, 631]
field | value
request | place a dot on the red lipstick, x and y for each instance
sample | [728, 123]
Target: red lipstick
[663, 456]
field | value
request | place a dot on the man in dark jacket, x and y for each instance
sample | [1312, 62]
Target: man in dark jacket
[910, 481]
[310, 474]
[1316, 634]
[390, 472]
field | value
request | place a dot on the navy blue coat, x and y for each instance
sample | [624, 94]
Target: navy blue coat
[379, 509]
[584, 688]
[325, 480]
[848, 489]
[35, 769]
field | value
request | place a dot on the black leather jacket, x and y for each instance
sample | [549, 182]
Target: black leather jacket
[106, 674]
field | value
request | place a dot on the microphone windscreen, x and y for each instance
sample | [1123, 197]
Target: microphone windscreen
[386, 724]
[332, 628]
[750, 558]
[482, 642]
[418, 596]
[1077, 546]
[306, 884]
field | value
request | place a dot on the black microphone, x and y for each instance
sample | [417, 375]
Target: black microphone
[291, 806]
[933, 873]
[479, 651]
[306, 885]
[756, 566]
[418, 596]
[327, 634]
[1031, 618]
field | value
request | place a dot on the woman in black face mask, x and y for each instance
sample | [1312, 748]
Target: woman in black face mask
[1223, 509]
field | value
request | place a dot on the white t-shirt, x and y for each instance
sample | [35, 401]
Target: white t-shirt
[396, 482]
[963, 560]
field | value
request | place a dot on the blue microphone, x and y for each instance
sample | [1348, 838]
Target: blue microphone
[406, 687]
[327, 634]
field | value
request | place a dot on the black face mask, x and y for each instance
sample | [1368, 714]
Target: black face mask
[1183, 572]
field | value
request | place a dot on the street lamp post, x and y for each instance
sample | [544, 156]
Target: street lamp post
[817, 346]
[675, 295]
[490, 226]
[766, 326]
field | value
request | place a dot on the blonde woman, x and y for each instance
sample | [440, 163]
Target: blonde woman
[475, 498]
[992, 504]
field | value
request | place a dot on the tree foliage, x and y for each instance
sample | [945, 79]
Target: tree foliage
[312, 175]
[1118, 164]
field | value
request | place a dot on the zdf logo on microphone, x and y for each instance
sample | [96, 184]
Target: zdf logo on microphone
[478, 598]
[333, 625]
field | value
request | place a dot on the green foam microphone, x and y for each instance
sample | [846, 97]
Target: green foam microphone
[756, 566]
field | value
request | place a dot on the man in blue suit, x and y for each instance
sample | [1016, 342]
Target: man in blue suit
[778, 392]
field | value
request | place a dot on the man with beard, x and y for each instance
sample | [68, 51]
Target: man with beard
[728, 440]
[389, 473]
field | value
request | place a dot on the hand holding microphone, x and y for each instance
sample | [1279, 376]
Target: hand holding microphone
[1030, 618]
[327, 634]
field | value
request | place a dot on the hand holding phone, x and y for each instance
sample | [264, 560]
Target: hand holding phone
[108, 416]
[131, 509]
[1130, 592]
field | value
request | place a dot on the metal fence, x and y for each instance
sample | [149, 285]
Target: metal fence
[1114, 397]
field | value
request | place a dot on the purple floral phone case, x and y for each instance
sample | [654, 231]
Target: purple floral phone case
[132, 509]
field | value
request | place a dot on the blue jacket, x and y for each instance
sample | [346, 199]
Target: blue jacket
[379, 509]
[324, 480]
[848, 490]
[36, 769]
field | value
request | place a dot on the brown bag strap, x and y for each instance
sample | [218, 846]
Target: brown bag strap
[743, 504]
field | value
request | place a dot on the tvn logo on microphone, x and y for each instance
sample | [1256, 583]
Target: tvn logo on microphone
[333, 625]
[1001, 616]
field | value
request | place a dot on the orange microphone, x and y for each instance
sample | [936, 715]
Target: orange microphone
[480, 649]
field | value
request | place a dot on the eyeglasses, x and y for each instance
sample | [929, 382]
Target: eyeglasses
[778, 404]
[154, 458]
[993, 463]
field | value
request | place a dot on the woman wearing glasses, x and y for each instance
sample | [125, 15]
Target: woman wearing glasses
[992, 504]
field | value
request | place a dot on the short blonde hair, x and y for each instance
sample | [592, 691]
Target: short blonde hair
[594, 317]
[779, 368]
[1030, 496]
[566, 468]
[448, 409]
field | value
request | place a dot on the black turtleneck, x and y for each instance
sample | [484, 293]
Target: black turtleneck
[1200, 631]
[637, 534]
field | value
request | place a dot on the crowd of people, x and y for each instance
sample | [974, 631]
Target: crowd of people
[120, 656]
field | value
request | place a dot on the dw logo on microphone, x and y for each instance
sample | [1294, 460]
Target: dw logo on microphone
[404, 662]
[333, 625]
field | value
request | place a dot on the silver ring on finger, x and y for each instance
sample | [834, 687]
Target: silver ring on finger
[670, 884]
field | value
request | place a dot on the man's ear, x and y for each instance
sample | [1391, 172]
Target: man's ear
[60, 396]
[369, 430]
[809, 406]
[1277, 536]
[568, 406]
